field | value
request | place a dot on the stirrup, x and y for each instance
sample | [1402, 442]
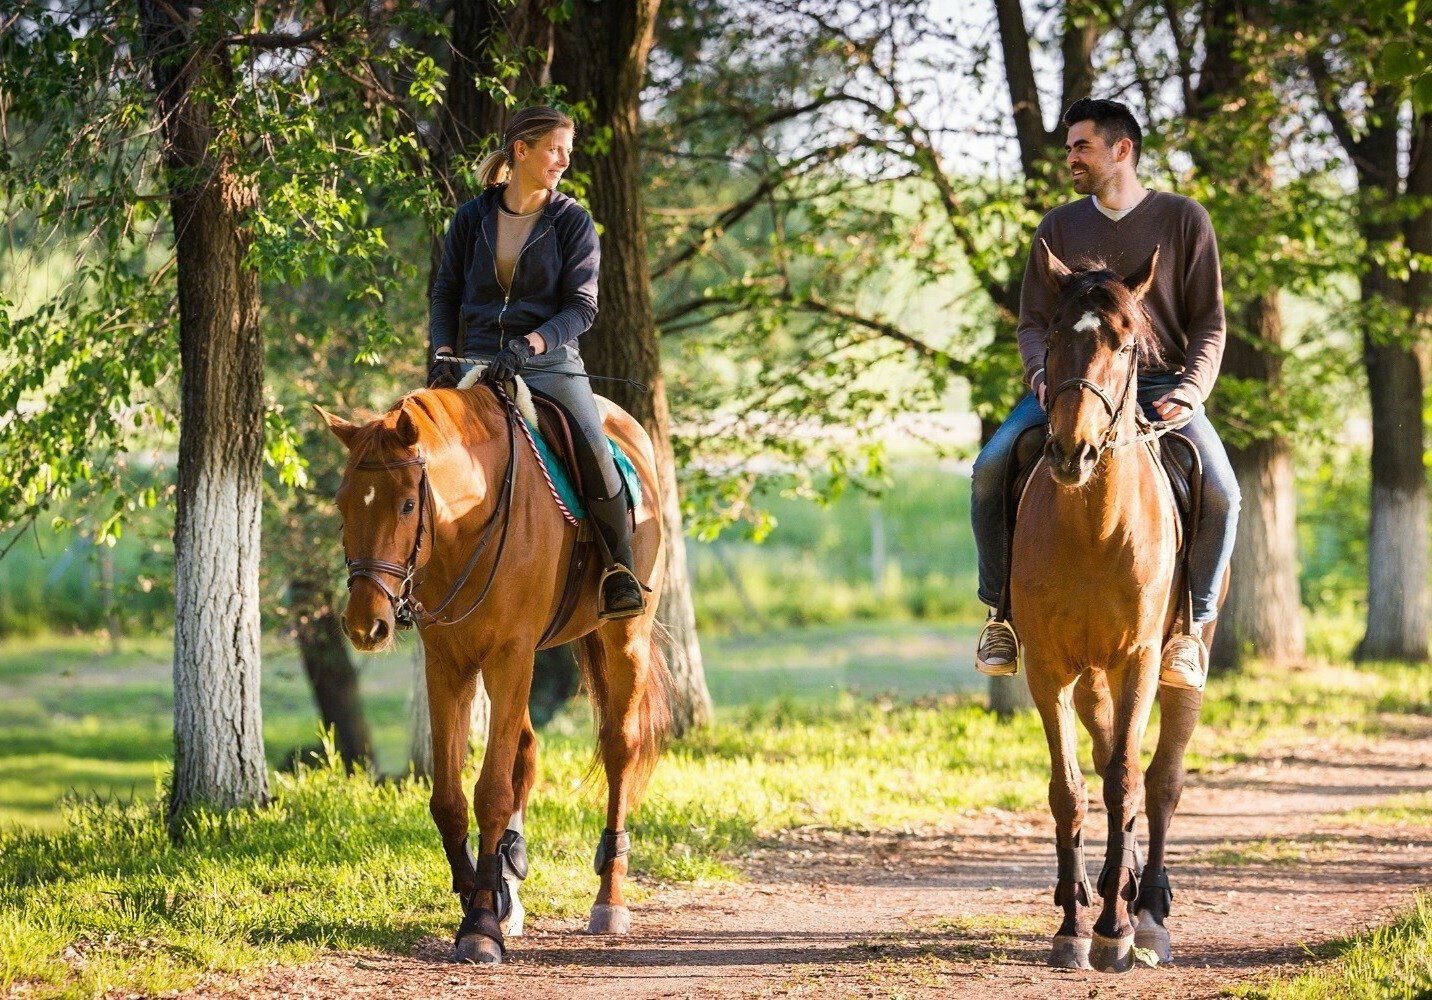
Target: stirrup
[1010, 667]
[612, 614]
[1176, 671]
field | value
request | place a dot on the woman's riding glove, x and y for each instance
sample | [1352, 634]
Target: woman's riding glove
[509, 360]
[442, 373]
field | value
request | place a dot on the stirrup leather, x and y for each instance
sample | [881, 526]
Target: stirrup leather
[617, 569]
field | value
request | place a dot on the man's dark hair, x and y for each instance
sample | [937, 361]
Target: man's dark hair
[1112, 120]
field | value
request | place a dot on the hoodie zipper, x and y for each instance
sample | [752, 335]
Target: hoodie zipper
[507, 292]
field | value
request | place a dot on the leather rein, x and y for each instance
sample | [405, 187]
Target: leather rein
[1150, 430]
[407, 610]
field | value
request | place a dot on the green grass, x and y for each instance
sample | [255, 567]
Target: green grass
[1279, 854]
[1410, 810]
[812, 731]
[1390, 963]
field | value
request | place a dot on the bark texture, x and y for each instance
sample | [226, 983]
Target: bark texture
[1262, 616]
[218, 735]
[601, 58]
[1393, 208]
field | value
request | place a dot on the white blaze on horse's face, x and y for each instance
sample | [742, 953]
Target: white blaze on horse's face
[1088, 323]
[368, 498]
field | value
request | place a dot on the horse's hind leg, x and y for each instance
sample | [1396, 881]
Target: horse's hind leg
[1178, 713]
[619, 658]
[1068, 801]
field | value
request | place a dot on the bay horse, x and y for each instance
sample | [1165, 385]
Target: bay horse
[449, 523]
[1095, 586]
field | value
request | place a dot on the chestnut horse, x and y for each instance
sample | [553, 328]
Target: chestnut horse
[448, 521]
[1094, 596]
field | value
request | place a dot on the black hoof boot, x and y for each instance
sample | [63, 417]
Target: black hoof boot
[479, 938]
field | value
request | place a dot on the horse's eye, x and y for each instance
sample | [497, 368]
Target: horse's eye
[408, 505]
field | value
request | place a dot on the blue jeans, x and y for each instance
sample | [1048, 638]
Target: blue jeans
[1217, 524]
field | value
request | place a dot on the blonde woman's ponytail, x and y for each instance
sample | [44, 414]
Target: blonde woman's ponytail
[493, 169]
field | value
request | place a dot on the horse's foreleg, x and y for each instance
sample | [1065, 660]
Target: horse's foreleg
[1068, 801]
[480, 938]
[1096, 710]
[618, 656]
[1178, 715]
[1132, 688]
[513, 847]
[450, 693]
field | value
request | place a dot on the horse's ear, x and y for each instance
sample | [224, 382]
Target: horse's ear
[341, 428]
[407, 430]
[1056, 272]
[1142, 279]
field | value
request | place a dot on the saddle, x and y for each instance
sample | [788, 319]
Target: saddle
[555, 431]
[1182, 469]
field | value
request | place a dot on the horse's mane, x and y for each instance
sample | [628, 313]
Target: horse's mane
[439, 417]
[1103, 288]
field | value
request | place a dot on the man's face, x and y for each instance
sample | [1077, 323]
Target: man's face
[1092, 161]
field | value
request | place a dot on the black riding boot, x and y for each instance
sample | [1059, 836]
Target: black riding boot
[621, 591]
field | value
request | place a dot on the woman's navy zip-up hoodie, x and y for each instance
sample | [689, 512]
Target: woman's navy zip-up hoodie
[554, 286]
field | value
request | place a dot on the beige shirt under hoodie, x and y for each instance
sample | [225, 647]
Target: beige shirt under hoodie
[512, 233]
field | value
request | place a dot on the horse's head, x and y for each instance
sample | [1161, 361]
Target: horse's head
[387, 507]
[1096, 339]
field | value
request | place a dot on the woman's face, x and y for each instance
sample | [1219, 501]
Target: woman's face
[543, 161]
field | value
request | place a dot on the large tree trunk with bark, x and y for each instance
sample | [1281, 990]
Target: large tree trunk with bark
[1397, 532]
[330, 671]
[218, 735]
[601, 58]
[1397, 597]
[1262, 616]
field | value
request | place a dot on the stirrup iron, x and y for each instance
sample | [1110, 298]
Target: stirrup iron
[617, 569]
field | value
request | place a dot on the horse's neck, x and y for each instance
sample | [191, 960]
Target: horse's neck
[1115, 495]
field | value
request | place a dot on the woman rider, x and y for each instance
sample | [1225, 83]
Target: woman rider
[516, 287]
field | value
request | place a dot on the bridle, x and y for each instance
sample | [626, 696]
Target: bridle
[1110, 436]
[407, 610]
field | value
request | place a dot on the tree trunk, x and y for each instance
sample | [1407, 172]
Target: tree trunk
[602, 53]
[1392, 354]
[330, 672]
[218, 733]
[1262, 616]
[1397, 532]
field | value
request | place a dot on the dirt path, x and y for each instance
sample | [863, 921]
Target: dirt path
[1261, 863]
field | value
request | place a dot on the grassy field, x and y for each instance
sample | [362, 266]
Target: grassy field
[850, 727]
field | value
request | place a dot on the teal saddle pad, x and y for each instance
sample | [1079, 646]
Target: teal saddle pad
[562, 477]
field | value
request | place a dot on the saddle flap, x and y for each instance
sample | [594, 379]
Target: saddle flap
[552, 424]
[1185, 476]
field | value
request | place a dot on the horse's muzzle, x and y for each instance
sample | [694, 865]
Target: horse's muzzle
[368, 617]
[1071, 466]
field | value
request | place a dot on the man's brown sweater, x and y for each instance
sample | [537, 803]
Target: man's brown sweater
[1185, 304]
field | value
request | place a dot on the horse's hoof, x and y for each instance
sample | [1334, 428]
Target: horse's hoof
[1109, 954]
[1150, 935]
[478, 949]
[512, 926]
[609, 920]
[1069, 952]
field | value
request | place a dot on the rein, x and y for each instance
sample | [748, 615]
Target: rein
[407, 611]
[1150, 430]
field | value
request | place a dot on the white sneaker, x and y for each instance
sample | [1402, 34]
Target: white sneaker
[1185, 663]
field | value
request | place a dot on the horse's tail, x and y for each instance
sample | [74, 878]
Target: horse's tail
[650, 725]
